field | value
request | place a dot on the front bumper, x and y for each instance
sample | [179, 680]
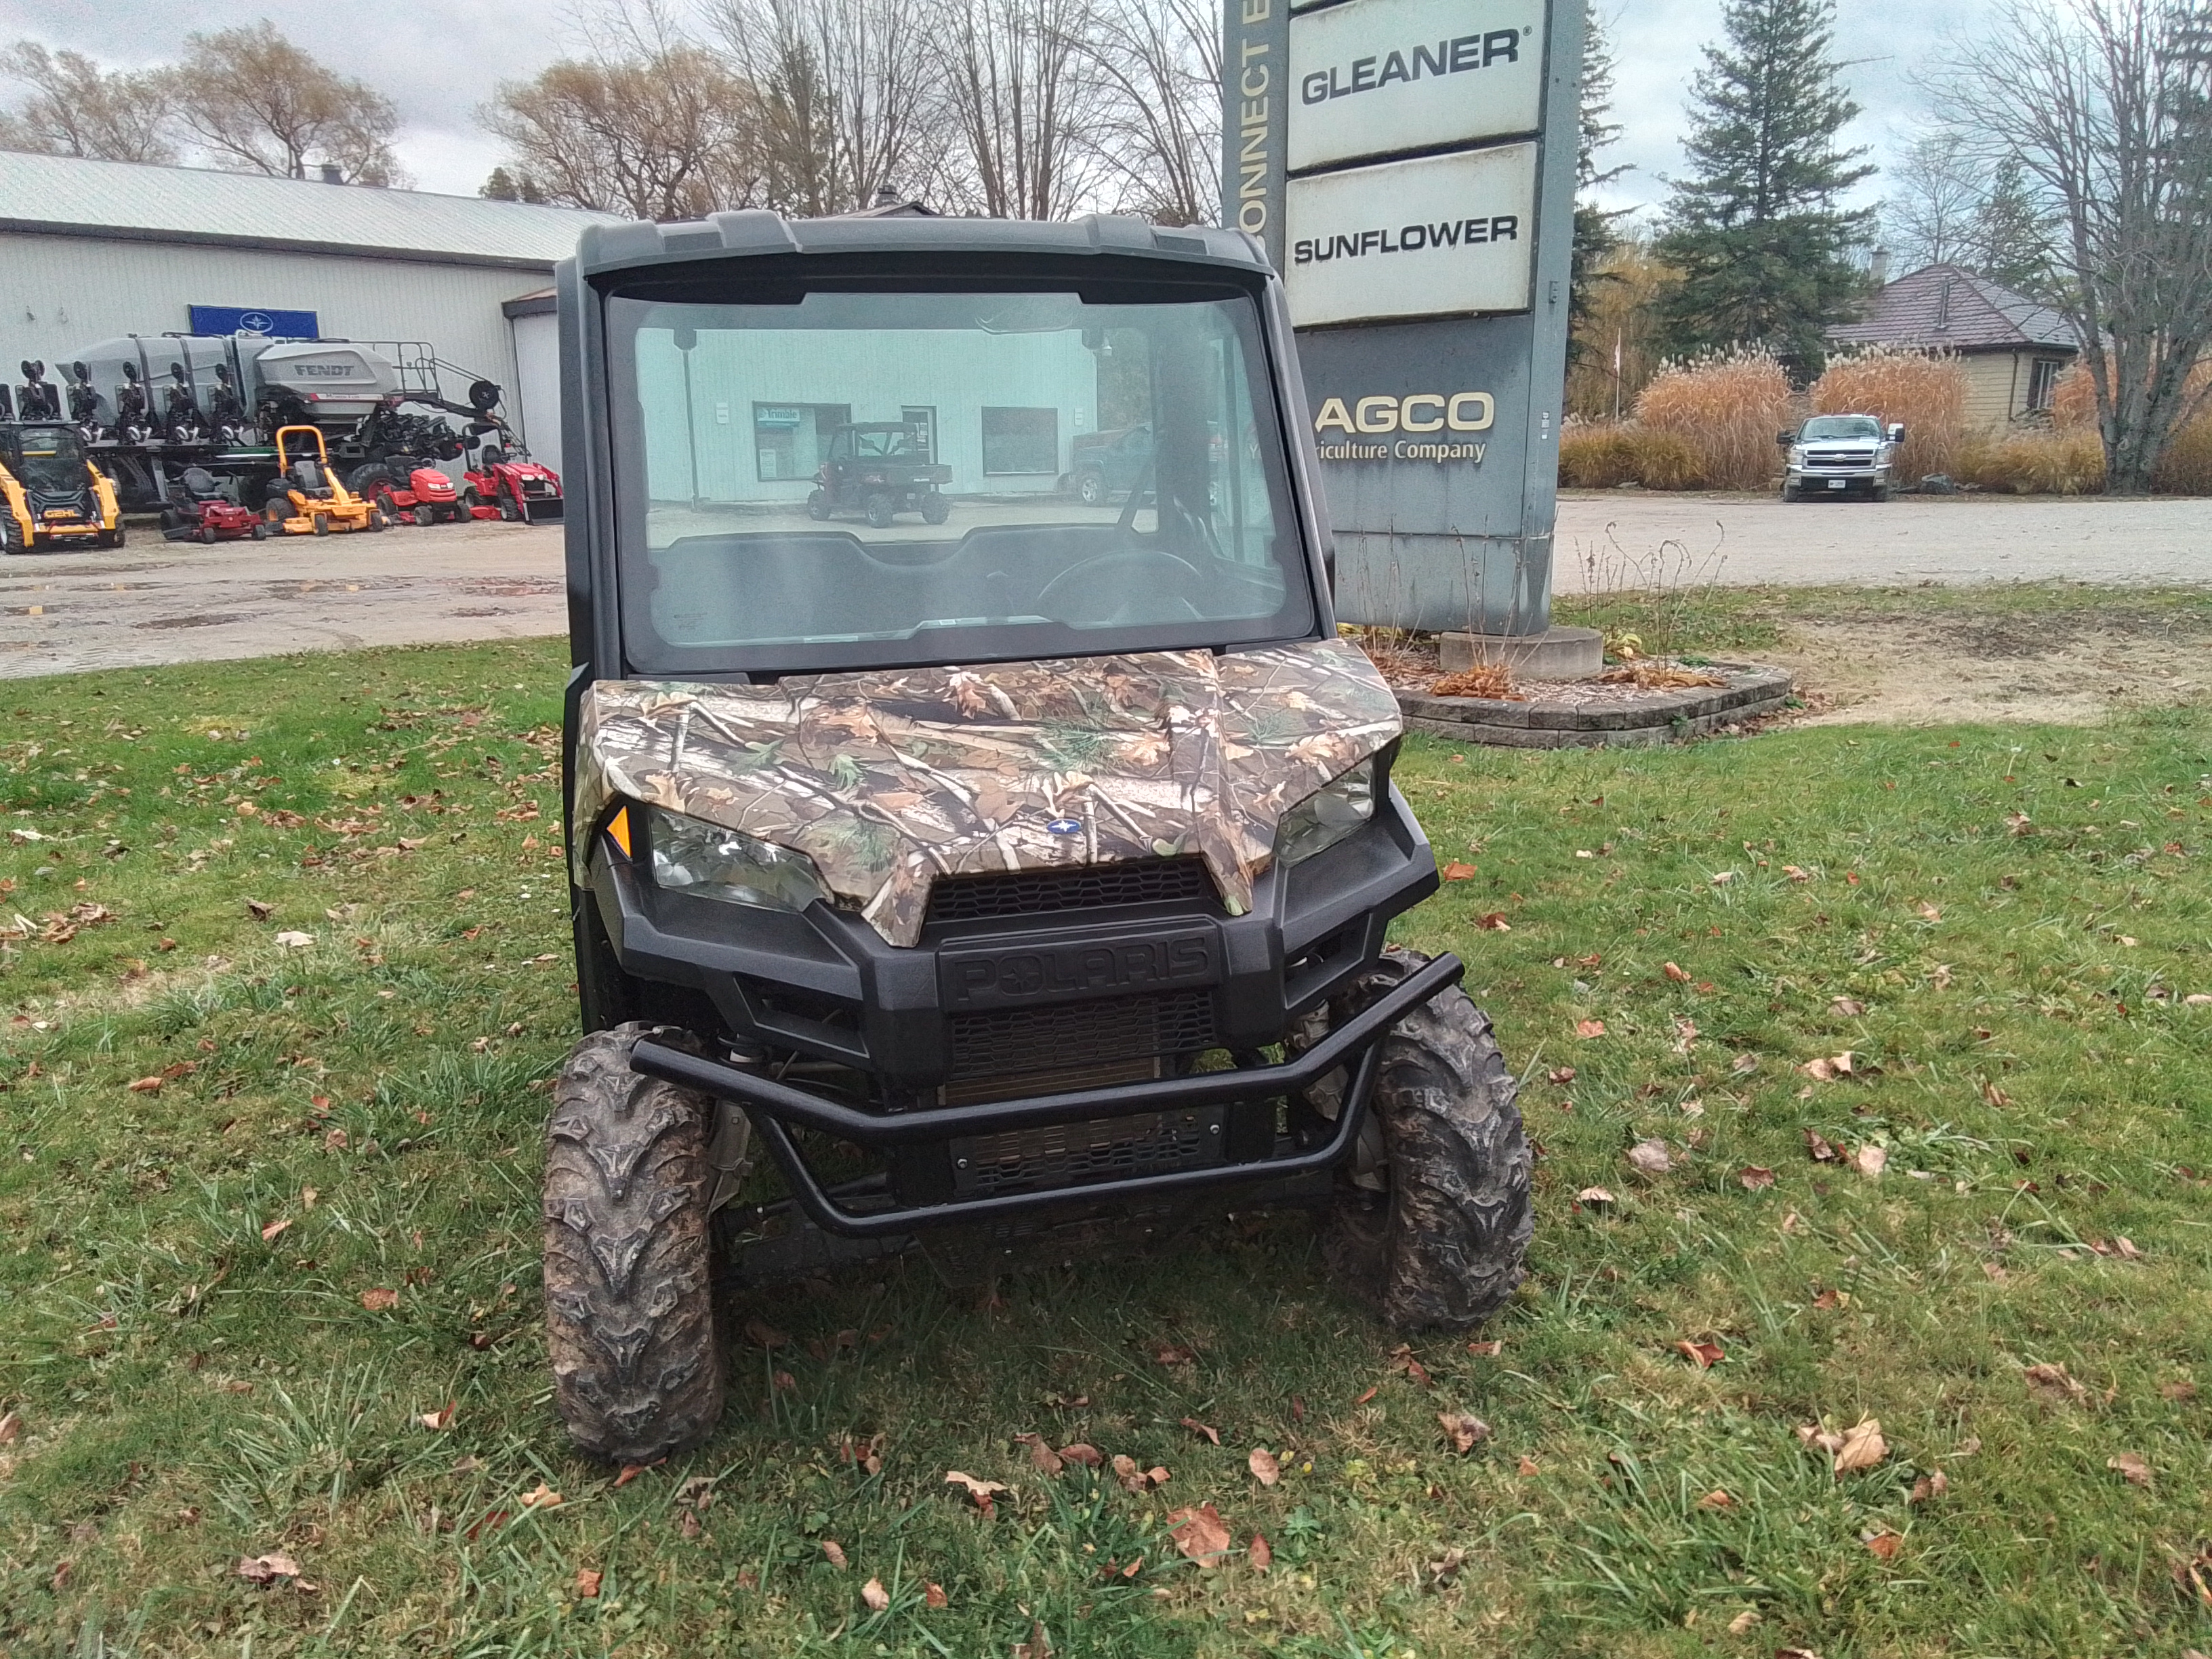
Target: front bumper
[775, 1106]
[909, 1026]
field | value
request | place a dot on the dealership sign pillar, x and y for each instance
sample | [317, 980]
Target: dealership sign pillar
[1410, 166]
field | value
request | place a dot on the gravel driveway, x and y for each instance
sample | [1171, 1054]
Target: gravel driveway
[1605, 535]
[157, 601]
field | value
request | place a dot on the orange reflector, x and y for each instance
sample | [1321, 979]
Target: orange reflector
[618, 830]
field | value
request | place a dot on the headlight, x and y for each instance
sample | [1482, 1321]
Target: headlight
[1796, 455]
[1326, 816]
[692, 856]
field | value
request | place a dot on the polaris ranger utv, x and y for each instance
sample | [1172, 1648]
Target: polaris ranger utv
[1017, 886]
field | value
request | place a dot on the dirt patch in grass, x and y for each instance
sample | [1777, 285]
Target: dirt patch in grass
[1918, 670]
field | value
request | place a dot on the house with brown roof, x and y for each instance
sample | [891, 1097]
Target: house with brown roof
[2012, 349]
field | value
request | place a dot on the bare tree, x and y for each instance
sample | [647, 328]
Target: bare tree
[2106, 107]
[848, 105]
[1160, 64]
[1024, 101]
[1931, 218]
[77, 108]
[256, 103]
[666, 133]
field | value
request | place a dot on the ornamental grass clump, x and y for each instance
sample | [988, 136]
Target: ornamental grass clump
[1727, 409]
[1606, 454]
[1923, 392]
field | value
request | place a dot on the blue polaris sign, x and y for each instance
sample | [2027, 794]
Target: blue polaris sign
[255, 319]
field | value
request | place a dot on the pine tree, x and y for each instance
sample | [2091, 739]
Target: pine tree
[1594, 236]
[2009, 240]
[1756, 231]
[499, 187]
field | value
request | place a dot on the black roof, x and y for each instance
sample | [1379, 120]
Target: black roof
[1949, 306]
[757, 232]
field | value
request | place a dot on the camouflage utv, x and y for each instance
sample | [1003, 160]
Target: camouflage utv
[1016, 885]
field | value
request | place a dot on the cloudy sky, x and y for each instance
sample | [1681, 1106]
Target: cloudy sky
[438, 61]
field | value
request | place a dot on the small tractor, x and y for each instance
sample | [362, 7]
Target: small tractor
[197, 508]
[50, 494]
[420, 495]
[305, 498]
[506, 483]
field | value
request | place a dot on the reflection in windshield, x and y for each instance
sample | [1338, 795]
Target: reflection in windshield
[906, 477]
[1829, 428]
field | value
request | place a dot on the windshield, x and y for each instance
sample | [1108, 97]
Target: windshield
[1829, 428]
[49, 459]
[879, 478]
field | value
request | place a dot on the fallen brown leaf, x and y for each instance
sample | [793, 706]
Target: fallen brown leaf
[2131, 1468]
[1849, 1007]
[1884, 1545]
[875, 1597]
[1528, 1466]
[1137, 1480]
[441, 1418]
[1863, 1447]
[982, 1491]
[1265, 1468]
[588, 1580]
[1458, 871]
[933, 1595]
[1818, 1149]
[1743, 1622]
[1443, 1572]
[1926, 911]
[268, 1568]
[270, 1232]
[1650, 1156]
[762, 1334]
[1828, 1068]
[541, 1496]
[379, 1300]
[1703, 1355]
[1929, 1486]
[1463, 1429]
[1680, 975]
[1870, 1161]
[145, 1085]
[1042, 1457]
[1755, 1177]
[1593, 1195]
[1197, 1427]
[1494, 921]
[1088, 1455]
[1561, 1075]
[1258, 1553]
[1717, 1499]
[1590, 1028]
[2179, 1393]
[834, 1552]
[2053, 1381]
[11, 1428]
[1170, 1353]
[1489, 1350]
[1039, 1646]
[1200, 1534]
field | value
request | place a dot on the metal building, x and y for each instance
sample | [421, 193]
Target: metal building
[90, 250]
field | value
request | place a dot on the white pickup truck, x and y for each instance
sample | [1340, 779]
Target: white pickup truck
[1838, 454]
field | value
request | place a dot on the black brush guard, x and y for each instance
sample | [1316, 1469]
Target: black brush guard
[773, 1107]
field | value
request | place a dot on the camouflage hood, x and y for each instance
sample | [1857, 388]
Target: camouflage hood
[889, 780]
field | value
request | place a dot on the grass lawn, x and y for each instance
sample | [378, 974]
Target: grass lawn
[319, 901]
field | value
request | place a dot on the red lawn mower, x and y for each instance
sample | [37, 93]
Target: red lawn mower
[420, 493]
[196, 508]
[506, 483]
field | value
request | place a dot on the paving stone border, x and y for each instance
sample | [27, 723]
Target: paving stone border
[1651, 718]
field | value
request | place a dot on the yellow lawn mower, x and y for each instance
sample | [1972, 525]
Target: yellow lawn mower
[305, 498]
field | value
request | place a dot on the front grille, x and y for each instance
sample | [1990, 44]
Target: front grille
[1837, 457]
[1086, 887]
[1075, 1154]
[1072, 1034]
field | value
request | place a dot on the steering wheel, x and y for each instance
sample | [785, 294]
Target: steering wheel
[1149, 586]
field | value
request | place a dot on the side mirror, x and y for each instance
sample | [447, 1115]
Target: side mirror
[687, 338]
[1784, 440]
[1897, 433]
